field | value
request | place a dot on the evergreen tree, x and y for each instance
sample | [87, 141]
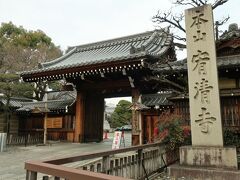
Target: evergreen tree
[122, 114]
[22, 50]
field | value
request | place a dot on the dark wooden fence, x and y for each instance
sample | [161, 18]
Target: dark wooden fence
[24, 139]
[138, 162]
[230, 111]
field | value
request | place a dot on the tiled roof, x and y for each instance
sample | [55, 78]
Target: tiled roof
[51, 105]
[151, 43]
[160, 99]
[138, 106]
[56, 101]
[222, 62]
[62, 95]
[229, 41]
[233, 32]
[15, 102]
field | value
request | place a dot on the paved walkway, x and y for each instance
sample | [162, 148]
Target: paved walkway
[12, 161]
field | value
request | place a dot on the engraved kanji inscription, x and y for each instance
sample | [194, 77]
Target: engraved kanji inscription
[200, 61]
[198, 20]
[199, 36]
[203, 81]
[205, 120]
[203, 88]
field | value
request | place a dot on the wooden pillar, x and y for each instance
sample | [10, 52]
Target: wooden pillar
[136, 131]
[80, 117]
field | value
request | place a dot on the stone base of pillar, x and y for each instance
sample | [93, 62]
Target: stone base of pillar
[204, 162]
[207, 156]
[202, 173]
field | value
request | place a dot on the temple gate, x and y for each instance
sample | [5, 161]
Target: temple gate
[113, 68]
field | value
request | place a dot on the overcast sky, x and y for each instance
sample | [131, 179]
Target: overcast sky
[75, 22]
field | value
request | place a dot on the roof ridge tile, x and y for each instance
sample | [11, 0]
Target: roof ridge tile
[120, 40]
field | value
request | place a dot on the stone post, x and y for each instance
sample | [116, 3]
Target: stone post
[205, 112]
[207, 149]
[206, 123]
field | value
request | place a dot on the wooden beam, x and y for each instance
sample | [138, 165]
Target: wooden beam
[60, 73]
[111, 84]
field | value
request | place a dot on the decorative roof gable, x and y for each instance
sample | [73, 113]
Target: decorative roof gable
[229, 42]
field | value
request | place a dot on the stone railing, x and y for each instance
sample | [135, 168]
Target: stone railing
[138, 162]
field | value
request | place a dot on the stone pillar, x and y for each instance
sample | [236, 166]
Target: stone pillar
[79, 118]
[207, 151]
[206, 123]
[136, 134]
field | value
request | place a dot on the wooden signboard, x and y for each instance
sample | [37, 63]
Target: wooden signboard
[54, 122]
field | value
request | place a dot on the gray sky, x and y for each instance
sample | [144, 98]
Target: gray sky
[75, 22]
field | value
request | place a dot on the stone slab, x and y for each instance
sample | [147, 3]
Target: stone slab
[201, 173]
[205, 114]
[217, 157]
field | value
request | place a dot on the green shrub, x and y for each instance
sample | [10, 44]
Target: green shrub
[172, 133]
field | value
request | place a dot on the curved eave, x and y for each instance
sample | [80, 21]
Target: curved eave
[53, 105]
[155, 44]
[117, 64]
[62, 58]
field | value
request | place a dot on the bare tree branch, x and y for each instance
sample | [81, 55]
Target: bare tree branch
[167, 17]
[196, 3]
[175, 21]
[220, 23]
[179, 38]
[223, 21]
[218, 3]
[164, 80]
[181, 2]
[202, 3]
[193, 3]
[178, 20]
[174, 36]
[180, 45]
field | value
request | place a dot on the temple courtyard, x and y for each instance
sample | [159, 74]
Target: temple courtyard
[12, 160]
